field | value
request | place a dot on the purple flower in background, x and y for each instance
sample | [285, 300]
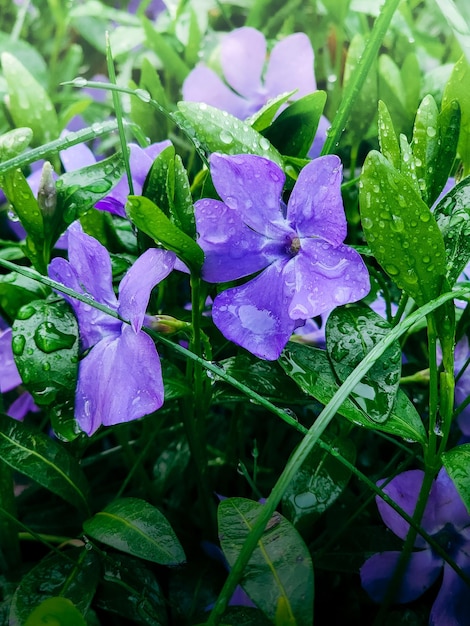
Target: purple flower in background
[120, 378]
[10, 378]
[447, 520]
[247, 84]
[303, 267]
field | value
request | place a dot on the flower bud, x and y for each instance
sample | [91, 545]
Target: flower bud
[165, 324]
[47, 193]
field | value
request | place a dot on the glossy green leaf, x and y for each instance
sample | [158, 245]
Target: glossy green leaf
[456, 90]
[351, 332]
[153, 124]
[74, 576]
[131, 590]
[319, 482]
[151, 220]
[45, 348]
[449, 129]
[425, 144]
[453, 218]
[388, 141]
[14, 142]
[400, 230]
[17, 290]
[310, 368]
[457, 463]
[408, 165]
[56, 611]
[292, 133]
[163, 47]
[43, 460]
[279, 574]
[138, 528]
[29, 103]
[214, 130]
[263, 118]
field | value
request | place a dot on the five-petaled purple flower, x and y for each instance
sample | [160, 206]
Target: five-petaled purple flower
[303, 267]
[248, 84]
[445, 519]
[120, 378]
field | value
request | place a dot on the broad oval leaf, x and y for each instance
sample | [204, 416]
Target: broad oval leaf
[457, 464]
[401, 230]
[44, 460]
[74, 578]
[138, 528]
[351, 332]
[310, 368]
[218, 131]
[279, 574]
[57, 612]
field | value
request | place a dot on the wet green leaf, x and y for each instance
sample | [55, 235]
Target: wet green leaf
[56, 611]
[263, 118]
[170, 57]
[153, 124]
[214, 130]
[74, 578]
[408, 165]
[151, 220]
[449, 128]
[292, 133]
[400, 230]
[318, 483]
[387, 137]
[29, 103]
[456, 90]
[45, 348]
[312, 371]
[279, 574]
[16, 290]
[138, 528]
[14, 142]
[351, 332]
[453, 218]
[457, 464]
[43, 460]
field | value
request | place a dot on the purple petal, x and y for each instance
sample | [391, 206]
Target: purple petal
[315, 205]
[291, 67]
[22, 406]
[9, 375]
[326, 277]
[242, 57]
[255, 315]
[320, 138]
[232, 249]
[404, 490]
[118, 381]
[444, 505]
[76, 157]
[134, 291]
[452, 604]
[251, 185]
[422, 571]
[203, 85]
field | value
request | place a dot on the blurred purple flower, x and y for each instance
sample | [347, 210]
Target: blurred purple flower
[447, 520]
[120, 378]
[154, 8]
[10, 378]
[303, 267]
[247, 84]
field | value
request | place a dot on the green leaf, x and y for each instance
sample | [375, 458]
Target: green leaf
[456, 90]
[387, 137]
[448, 128]
[43, 460]
[279, 574]
[400, 230]
[319, 483]
[310, 368]
[138, 528]
[16, 290]
[453, 218]
[292, 133]
[351, 332]
[457, 464]
[14, 142]
[217, 131]
[56, 611]
[457, 15]
[131, 591]
[151, 220]
[153, 124]
[74, 578]
[263, 118]
[171, 58]
[29, 103]
[45, 348]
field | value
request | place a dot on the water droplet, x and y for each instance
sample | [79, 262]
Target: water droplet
[225, 137]
[431, 131]
[48, 338]
[264, 143]
[425, 217]
[80, 82]
[26, 312]
[143, 95]
[17, 344]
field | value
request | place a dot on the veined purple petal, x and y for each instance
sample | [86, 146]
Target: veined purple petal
[422, 571]
[252, 186]
[118, 381]
[452, 604]
[290, 67]
[242, 57]
[326, 277]
[315, 205]
[255, 315]
[404, 490]
[232, 249]
[9, 375]
[134, 290]
[203, 85]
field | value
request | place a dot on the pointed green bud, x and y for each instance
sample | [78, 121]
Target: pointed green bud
[47, 193]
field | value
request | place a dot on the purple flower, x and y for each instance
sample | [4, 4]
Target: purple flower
[248, 84]
[447, 520]
[120, 378]
[10, 378]
[303, 269]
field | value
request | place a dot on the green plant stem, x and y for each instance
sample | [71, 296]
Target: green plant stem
[359, 75]
[9, 544]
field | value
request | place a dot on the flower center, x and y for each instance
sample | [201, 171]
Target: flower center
[294, 246]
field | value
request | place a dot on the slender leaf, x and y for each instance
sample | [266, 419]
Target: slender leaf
[59, 611]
